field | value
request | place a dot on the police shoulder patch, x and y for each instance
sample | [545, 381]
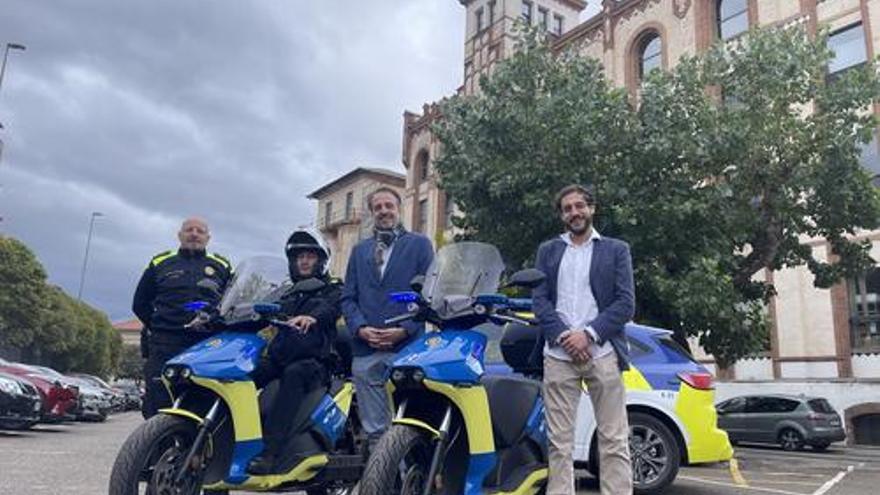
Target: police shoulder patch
[164, 255]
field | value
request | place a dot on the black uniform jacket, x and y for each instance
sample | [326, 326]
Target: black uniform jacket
[170, 282]
[323, 305]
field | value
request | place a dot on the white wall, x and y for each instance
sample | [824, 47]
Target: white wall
[866, 366]
[754, 369]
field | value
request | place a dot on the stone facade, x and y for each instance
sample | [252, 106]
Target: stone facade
[811, 329]
[343, 216]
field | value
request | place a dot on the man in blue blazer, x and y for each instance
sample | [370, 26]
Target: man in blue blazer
[384, 263]
[582, 308]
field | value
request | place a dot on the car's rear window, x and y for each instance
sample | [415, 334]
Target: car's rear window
[820, 406]
[671, 344]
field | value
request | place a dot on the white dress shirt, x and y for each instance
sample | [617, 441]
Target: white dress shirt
[575, 303]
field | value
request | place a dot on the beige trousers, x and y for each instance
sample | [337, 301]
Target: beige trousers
[562, 394]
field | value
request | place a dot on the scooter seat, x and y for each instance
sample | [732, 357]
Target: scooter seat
[511, 400]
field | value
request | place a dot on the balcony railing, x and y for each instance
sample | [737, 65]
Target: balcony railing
[339, 218]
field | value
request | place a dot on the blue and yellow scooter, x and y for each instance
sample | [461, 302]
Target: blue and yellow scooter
[214, 428]
[457, 430]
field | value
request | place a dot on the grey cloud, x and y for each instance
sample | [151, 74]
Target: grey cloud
[151, 111]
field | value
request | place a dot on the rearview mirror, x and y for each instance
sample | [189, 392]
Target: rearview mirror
[267, 309]
[195, 306]
[309, 285]
[417, 283]
[528, 278]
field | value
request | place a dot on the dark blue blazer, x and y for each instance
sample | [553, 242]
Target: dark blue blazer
[611, 280]
[365, 300]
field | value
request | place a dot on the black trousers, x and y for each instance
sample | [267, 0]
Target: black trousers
[298, 378]
[161, 348]
[155, 394]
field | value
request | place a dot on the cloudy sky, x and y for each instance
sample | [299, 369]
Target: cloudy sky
[235, 110]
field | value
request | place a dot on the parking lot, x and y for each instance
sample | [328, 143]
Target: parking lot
[75, 459]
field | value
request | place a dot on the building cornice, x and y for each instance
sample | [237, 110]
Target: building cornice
[379, 174]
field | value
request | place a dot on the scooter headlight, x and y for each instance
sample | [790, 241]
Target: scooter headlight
[397, 375]
[418, 375]
[185, 373]
[170, 373]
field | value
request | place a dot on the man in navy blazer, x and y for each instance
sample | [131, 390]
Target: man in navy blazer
[582, 308]
[384, 263]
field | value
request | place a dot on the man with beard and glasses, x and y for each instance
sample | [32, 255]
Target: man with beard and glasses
[379, 265]
[171, 280]
[582, 308]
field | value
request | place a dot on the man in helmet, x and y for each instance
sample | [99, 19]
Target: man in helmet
[299, 353]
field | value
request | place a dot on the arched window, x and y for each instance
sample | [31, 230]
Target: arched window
[732, 18]
[650, 54]
[422, 166]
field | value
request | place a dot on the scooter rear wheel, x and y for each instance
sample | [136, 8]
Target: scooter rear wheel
[400, 463]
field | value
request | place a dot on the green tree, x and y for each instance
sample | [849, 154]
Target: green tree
[541, 123]
[22, 291]
[720, 173]
[131, 364]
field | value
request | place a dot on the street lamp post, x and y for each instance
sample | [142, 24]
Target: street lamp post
[9, 46]
[82, 275]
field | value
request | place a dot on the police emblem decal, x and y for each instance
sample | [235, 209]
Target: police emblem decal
[209, 270]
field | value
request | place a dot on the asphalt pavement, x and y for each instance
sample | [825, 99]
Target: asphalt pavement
[76, 458]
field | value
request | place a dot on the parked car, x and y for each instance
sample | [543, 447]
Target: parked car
[791, 421]
[58, 401]
[94, 403]
[115, 396]
[670, 404]
[20, 403]
[132, 395]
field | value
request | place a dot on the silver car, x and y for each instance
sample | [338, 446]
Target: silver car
[791, 421]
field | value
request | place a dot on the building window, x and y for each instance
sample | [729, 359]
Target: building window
[557, 25]
[448, 212]
[479, 15]
[492, 12]
[865, 312]
[850, 51]
[650, 54]
[349, 205]
[733, 18]
[423, 216]
[871, 158]
[422, 166]
[544, 18]
[328, 213]
[527, 12]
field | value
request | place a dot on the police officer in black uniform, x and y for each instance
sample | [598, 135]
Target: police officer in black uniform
[173, 279]
[300, 352]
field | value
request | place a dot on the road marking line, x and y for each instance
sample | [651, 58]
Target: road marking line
[731, 485]
[833, 481]
[735, 474]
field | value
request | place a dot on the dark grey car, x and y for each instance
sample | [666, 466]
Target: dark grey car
[791, 421]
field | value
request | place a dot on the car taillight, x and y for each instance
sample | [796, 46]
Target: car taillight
[697, 380]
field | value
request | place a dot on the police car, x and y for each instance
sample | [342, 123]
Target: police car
[670, 401]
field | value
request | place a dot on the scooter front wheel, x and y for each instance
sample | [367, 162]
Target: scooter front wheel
[400, 463]
[150, 457]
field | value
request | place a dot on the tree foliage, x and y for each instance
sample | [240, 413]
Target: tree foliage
[47, 326]
[728, 164]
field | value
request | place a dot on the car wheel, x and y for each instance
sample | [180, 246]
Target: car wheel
[820, 446]
[791, 439]
[654, 453]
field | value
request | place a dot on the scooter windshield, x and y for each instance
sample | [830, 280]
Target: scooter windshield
[261, 279]
[459, 273]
